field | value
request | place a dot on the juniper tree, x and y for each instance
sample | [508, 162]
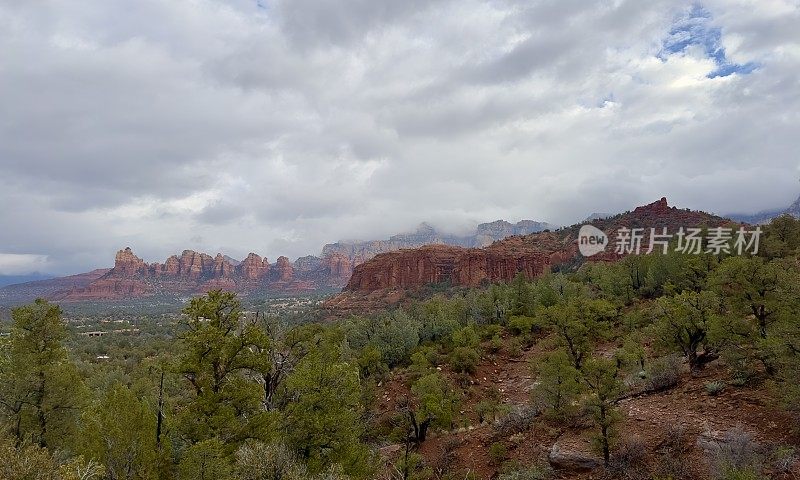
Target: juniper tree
[41, 392]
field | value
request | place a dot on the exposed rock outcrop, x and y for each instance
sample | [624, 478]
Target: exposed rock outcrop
[572, 458]
[284, 269]
[128, 264]
[253, 267]
[469, 267]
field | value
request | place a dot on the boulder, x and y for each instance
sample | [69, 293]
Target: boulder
[572, 458]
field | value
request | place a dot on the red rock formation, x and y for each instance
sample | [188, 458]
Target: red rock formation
[411, 268]
[253, 267]
[222, 269]
[338, 267]
[388, 275]
[107, 288]
[481, 266]
[171, 267]
[195, 265]
[127, 264]
[195, 272]
[405, 268]
[284, 269]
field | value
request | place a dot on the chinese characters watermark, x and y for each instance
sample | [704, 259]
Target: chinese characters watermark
[634, 241]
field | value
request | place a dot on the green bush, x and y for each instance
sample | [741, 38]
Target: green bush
[495, 344]
[464, 360]
[521, 325]
[515, 347]
[525, 473]
[486, 409]
[370, 363]
[715, 388]
[466, 337]
[490, 331]
[497, 453]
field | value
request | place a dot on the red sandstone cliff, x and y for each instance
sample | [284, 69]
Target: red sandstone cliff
[469, 267]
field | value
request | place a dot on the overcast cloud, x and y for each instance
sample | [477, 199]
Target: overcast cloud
[276, 126]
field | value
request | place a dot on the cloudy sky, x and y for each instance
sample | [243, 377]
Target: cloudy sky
[276, 126]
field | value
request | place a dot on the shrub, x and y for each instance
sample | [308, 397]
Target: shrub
[411, 466]
[515, 347]
[520, 325]
[676, 441]
[518, 419]
[497, 453]
[420, 365]
[736, 456]
[783, 459]
[495, 344]
[526, 473]
[370, 363]
[715, 388]
[261, 461]
[485, 409]
[464, 360]
[558, 386]
[663, 373]
[26, 461]
[671, 464]
[466, 337]
[490, 331]
[742, 367]
[204, 460]
[629, 461]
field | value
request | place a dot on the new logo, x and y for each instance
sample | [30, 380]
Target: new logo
[591, 240]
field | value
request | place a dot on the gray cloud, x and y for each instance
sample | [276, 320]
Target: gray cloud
[277, 126]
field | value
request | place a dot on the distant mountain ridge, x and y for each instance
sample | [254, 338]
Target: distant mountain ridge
[29, 291]
[766, 216]
[17, 279]
[485, 234]
[196, 272]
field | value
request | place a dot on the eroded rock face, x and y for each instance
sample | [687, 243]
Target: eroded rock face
[339, 267]
[253, 267]
[444, 264]
[284, 269]
[195, 272]
[107, 287]
[406, 268]
[127, 264]
[222, 269]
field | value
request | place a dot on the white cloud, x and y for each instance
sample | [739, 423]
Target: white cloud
[229, 127]
[20, 264]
